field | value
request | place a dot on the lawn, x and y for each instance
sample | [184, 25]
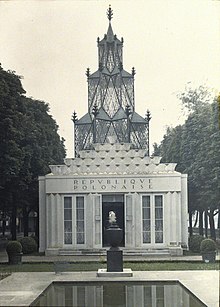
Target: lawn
[94, 266]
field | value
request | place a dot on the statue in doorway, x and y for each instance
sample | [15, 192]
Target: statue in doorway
[111, 217]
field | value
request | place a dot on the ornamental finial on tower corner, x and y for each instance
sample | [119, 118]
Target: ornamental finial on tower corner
[110, 13]
[148, 116]
[74, 117]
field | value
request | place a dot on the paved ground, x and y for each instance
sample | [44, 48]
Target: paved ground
[21, 289]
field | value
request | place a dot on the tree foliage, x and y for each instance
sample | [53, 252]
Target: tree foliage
[195, 146]
[29, 142]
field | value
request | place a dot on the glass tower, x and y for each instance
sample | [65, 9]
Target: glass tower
[111, 116]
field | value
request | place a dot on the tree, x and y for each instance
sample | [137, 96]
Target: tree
[41, 147]
[195, 147]
[29, 142]
[11, 108]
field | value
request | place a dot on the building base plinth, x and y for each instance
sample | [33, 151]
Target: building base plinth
[104, 273]
[52, 252]
[176, 251]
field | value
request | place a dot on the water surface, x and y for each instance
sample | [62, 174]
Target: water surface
[117, 294]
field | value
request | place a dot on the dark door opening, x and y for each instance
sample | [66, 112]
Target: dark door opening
[118, 208]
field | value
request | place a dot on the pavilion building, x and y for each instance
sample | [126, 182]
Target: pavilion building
[112, 171]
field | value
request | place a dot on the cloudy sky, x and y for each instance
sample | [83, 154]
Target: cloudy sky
[170, 43]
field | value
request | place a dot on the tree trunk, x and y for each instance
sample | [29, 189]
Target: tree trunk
[3, 223]
[25, 221]
[196, 221]
[206, 224]
[212, 224]
[13, 223]
[37, 226]
[190, 224]
[201, 223]
[3, 227]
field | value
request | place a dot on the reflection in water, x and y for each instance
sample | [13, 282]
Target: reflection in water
[115, 294]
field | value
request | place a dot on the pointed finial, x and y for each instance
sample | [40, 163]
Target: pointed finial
[88, 72]
[74, 117]
[128, 110]
[148, 116]
[133, 71]
[120, 66]
[109, 13]
[95, 110]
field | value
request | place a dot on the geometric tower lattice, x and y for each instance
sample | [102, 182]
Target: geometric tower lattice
[111, 116]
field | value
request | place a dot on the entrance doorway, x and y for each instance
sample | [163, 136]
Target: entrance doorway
[116, 204]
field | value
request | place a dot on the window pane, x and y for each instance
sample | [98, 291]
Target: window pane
[146, 213]
[80, 226]
[67, 238]
[68, 214]
[67, 220]
[81, 296]
[80, 238]
[146, 219]
[158, 219]
[160, 296]
[68, 296]
[67, 202]
[159, 237]
[147, 296]
[80, 214]
[146, 225]
[158, 213]
[158, 201]
[146, 237]
[79, 202]
[67, 226]
[159, 225]
[146, 201]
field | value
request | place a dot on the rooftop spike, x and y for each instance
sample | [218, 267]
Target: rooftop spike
[74, 117]
[148, 116]
[110, 13]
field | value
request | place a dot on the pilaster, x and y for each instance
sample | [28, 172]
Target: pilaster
[184, 209]
[89, 220]
[59, 220]
[97, 224]
[173, 218]
[49, 219]
[138, 219]
[178, 216]
[129, 220]
[42, 215]
[53, 221]
[167, 217]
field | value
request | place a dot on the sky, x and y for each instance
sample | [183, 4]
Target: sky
[170, 43]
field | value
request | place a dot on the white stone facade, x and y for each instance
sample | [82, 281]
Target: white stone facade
[149, 198]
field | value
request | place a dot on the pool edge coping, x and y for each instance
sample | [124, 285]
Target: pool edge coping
[32, 284]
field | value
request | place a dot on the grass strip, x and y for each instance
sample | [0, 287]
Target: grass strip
[94, 266]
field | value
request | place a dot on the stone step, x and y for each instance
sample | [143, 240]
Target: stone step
[72, 252]
[126, 252]
[146, 252]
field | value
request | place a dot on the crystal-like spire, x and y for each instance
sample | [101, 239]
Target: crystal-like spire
[111, 113]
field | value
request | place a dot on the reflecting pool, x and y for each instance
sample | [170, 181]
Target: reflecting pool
[117, 294]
